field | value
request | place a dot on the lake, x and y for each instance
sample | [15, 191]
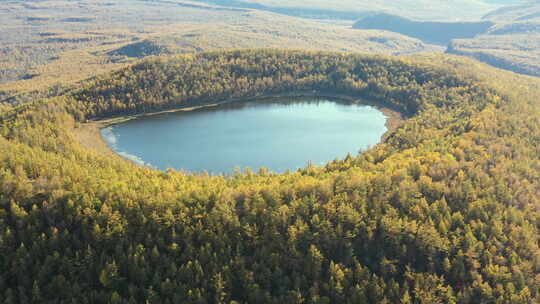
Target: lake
[277, 134]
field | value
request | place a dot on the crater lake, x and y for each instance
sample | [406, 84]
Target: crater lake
[278, 134]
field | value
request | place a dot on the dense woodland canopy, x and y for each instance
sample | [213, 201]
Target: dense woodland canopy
[445, 210]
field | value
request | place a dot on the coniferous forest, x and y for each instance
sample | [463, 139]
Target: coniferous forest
[445, 210]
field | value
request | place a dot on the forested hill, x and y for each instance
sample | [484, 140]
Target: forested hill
[445, 210]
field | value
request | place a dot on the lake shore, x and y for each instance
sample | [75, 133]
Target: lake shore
[89, 133]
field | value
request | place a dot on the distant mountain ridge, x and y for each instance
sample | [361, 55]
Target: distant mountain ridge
[497, 51]
[353, 10]
[512, 44]
[524, 11]
[428, 31]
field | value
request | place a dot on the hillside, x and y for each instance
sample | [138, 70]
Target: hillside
[428, 31]
[445, 210]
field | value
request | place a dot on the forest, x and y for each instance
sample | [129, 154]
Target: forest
[445, 210]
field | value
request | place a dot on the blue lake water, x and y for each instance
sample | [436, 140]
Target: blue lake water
[276, 134]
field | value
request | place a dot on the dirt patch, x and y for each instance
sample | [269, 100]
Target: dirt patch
[89, 136]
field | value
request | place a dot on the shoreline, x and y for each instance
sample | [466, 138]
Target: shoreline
[394, 117]
[89, 135]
